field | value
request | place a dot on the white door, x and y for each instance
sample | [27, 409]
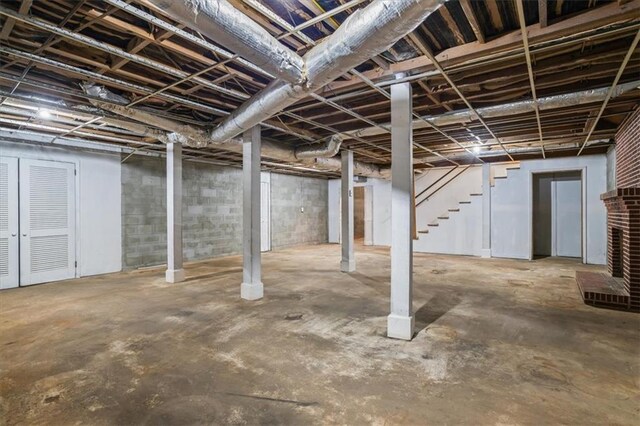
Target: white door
[9, 246]
[47, 221]
[265, 216]
[567, 214]
[368, 215]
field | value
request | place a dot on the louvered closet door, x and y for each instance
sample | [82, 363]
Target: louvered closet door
[47, 221]
[9, 263]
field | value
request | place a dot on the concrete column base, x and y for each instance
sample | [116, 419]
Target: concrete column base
[250, 291]
[486, 253]
[348, 265]
[174, 275]
[400, 327]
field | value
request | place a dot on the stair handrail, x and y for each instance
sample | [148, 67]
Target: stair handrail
[439, 188]
[436, 182]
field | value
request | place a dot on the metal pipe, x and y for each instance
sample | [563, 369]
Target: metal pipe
[311, 155]
[108, 48]
[366, 33]
[613, 88]
[220, 21]
[511, 108]
[328, 149]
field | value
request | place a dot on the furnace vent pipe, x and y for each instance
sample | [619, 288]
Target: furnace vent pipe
[226, 25]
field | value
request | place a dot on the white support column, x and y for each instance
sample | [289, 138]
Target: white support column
[486, 210]
[400, 322]
[348, 263]
[251, 288]
[174, 273]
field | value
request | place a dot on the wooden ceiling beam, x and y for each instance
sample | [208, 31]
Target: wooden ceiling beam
[473, 20]
[601, 16]
[542, 13]
[10, 22]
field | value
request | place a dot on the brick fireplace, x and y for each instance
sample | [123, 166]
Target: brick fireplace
[620, 287]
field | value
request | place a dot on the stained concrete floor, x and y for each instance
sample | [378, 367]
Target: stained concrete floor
[499, 342]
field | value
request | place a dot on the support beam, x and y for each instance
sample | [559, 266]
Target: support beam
[252, 288]
[10, 22]
[626, 59]
[486, 210]
[400, 321]
[175, 272]
[348, 263]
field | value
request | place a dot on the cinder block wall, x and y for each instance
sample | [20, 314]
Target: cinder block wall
[289, 224]
[212, 211]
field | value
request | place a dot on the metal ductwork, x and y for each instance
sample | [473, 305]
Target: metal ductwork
[511, 108]
[190, 135]
[318, 155]
[231, 28]
[328, 149]
[366, 33]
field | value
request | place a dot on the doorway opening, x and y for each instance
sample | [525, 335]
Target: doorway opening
[557, 214]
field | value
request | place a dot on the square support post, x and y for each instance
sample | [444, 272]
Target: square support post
[175, 271]
[486, 210]
[251, 288]
[400, 321]
[348, 263]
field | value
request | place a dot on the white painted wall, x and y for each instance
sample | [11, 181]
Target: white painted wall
[461, 234]
[511, 203]
[98, 201]
[611, 169]
[381, 214]
[459, 189]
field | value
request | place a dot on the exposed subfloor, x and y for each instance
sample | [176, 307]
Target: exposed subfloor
[498, 342]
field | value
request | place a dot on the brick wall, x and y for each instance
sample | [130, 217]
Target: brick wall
[212, 211]
[623, 217]
[628, 153]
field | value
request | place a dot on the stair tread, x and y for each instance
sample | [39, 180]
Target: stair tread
[433, 224]
[476, 194]
[464, 202]
[424, 231]
[499, 177]
[443, 217]
[454, 210]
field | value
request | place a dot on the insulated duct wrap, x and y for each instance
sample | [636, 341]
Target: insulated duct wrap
[328, 149]
[226, 25]
[191, 135]
[275, 97]
[309, 155]
[366, 33]
[511, 108]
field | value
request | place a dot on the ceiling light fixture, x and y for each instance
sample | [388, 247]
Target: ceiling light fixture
[43, 113]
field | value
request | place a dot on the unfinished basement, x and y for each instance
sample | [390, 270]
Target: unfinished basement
[293, 212]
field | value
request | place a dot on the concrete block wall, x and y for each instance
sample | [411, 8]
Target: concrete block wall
[289, 224]
[144, 212]
[212, 211]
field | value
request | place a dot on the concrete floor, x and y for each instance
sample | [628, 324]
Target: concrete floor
[498, 342]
